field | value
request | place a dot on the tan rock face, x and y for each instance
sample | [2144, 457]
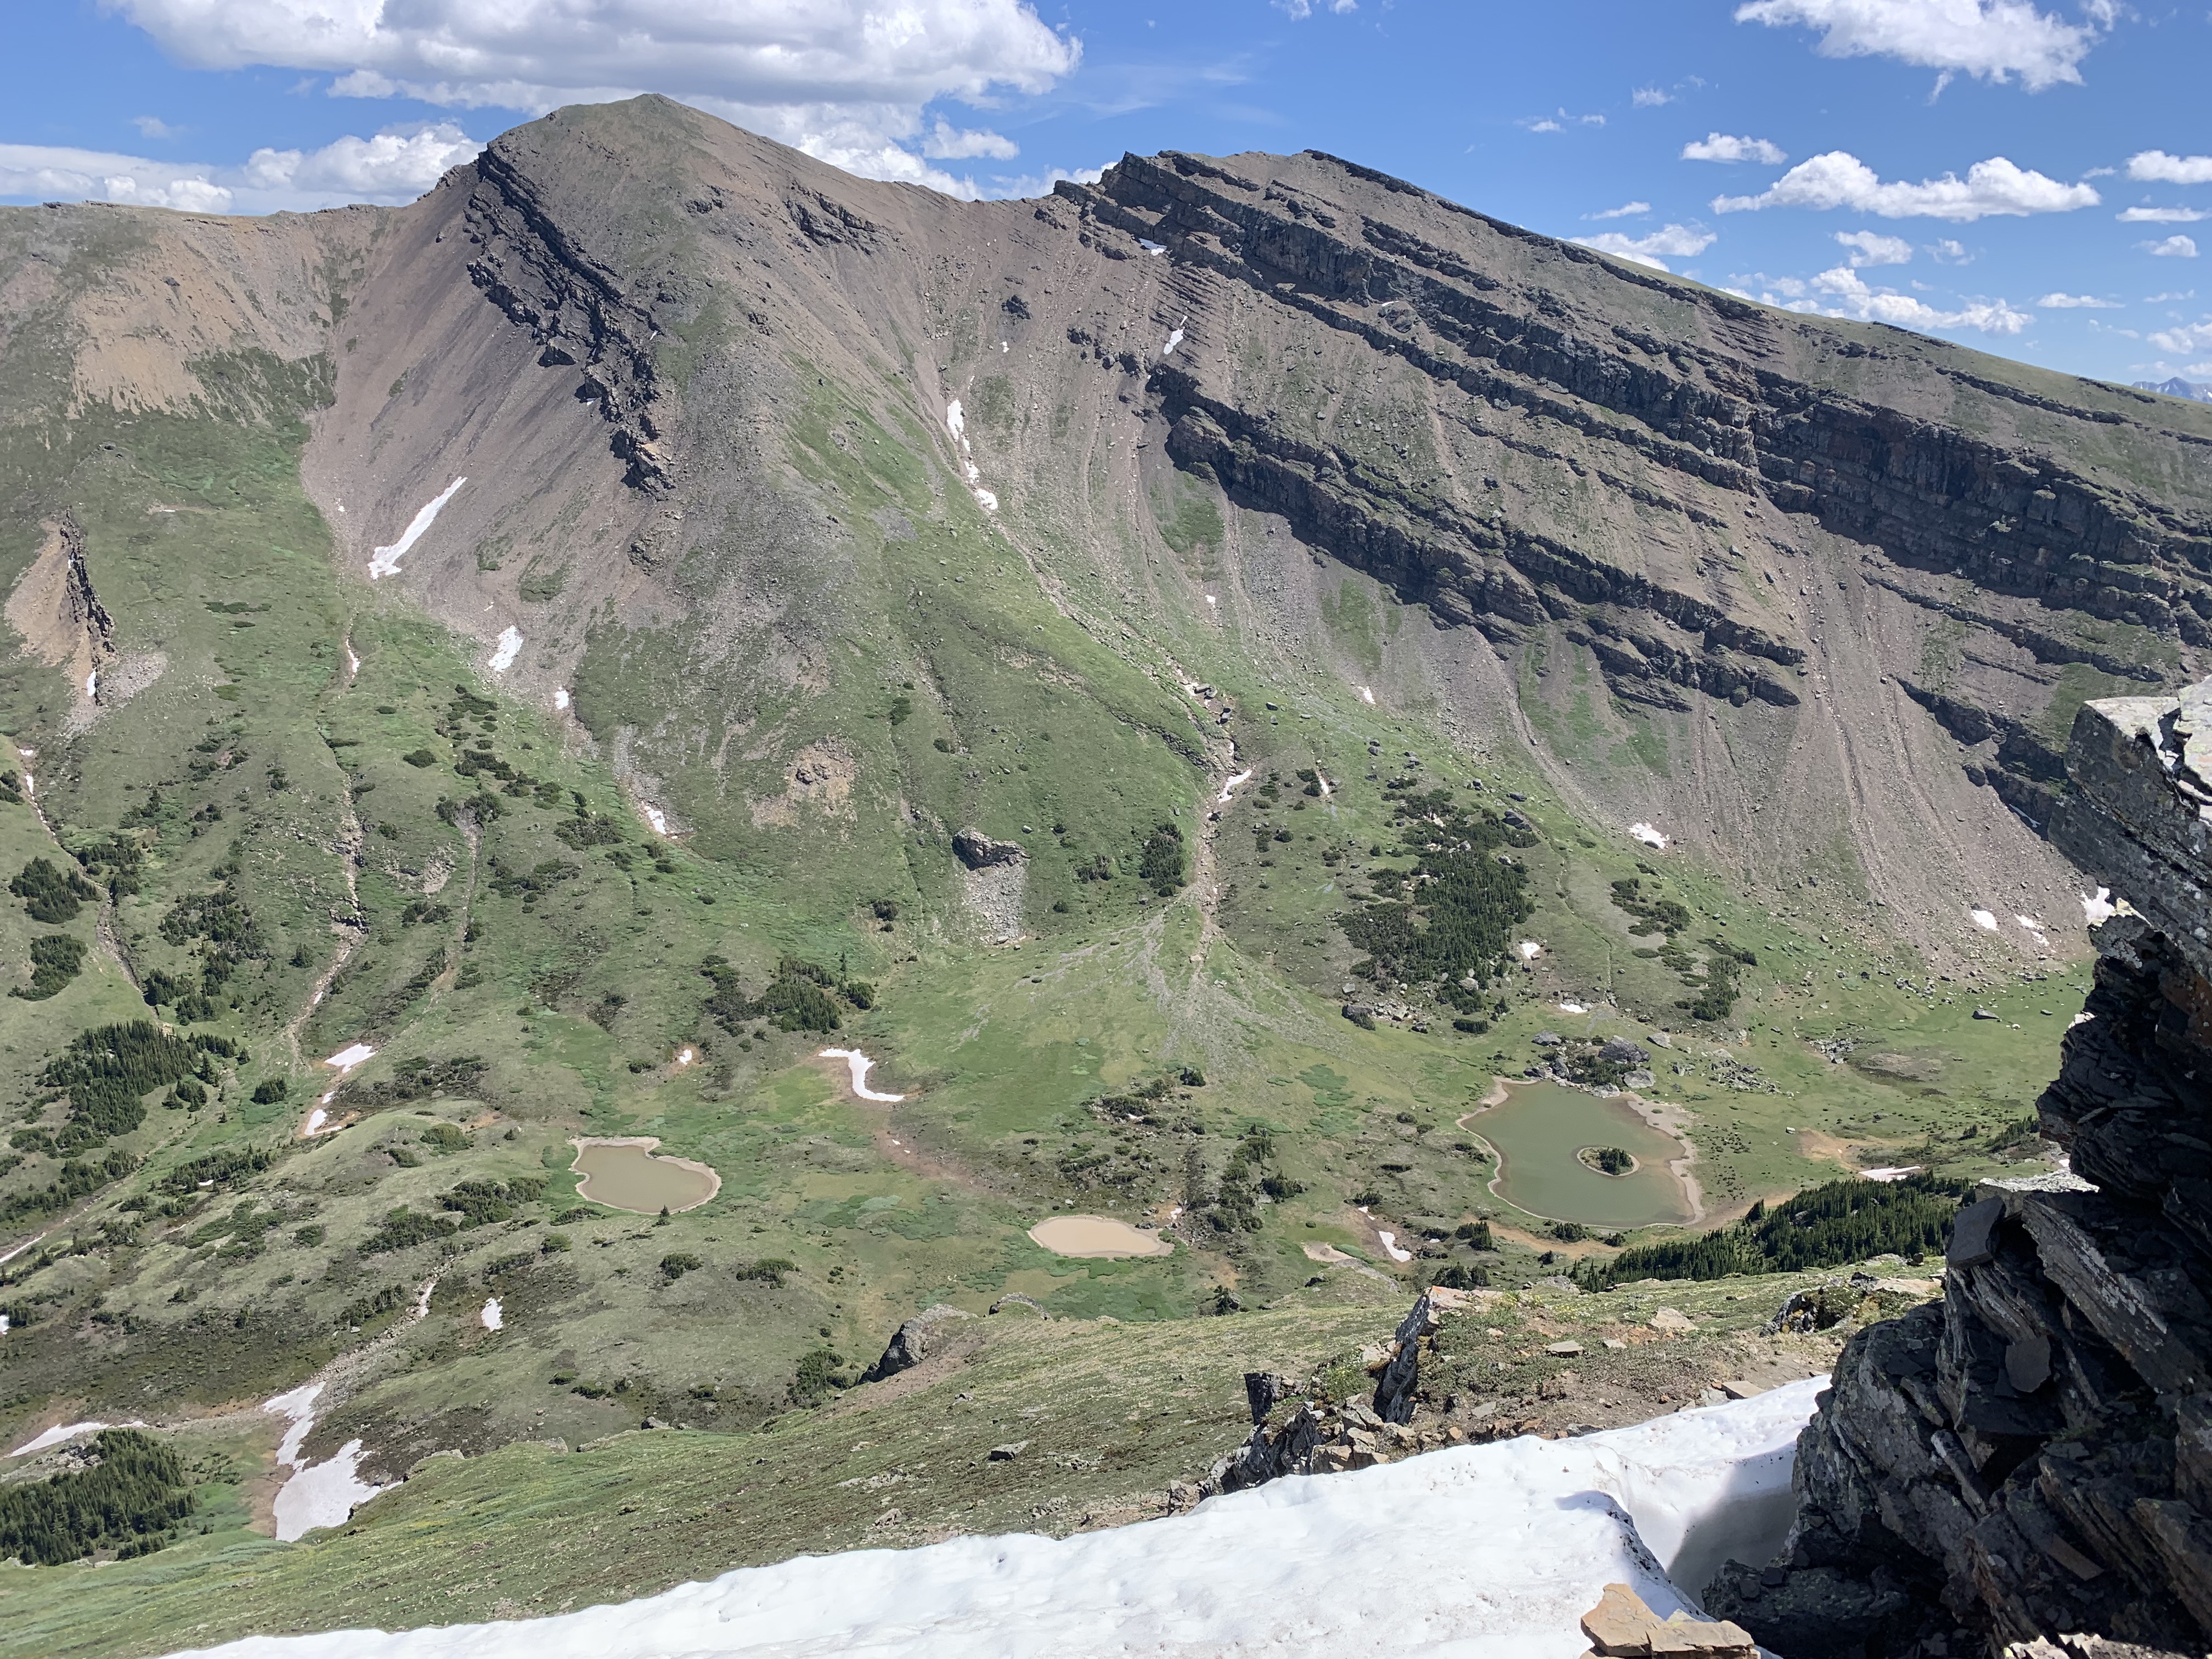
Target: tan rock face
[1620, 1626]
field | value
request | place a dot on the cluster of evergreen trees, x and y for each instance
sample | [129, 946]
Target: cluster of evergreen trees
[1825, 1226]
[801, 997]
[129, 1499]
[108, 1069]
[1452, 913]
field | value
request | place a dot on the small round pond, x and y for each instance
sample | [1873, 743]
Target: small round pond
[1097, 1236]
[1539, 1133]
[624, 1174]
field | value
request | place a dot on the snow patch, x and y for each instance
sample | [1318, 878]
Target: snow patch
[1572, 1008]
[2095, 909]
[1211, 599]
[352, 663]
[323, 1494]
[92, 684]
[656, 818]
[685, 1056]
[386, 563]
[1491, 1552]
[510, 647]
[1390, 1247]
[1174, 339]
[560, 696]
[956, 422]
[985, 499]
[314, 1126]
[1228, 784]
[350, 1056]
[1154, 248]
[491, 1315]
[1895, 1172]
[1366, 694]
[54, 1437]
[1983, 919]
[1648, 836]
[859, 1063]
[1530, 950]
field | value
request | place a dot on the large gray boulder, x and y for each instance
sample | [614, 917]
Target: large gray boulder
[915, 1341]
[979, 851]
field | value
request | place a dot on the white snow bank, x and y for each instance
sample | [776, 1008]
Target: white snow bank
[314, 1126]
[656, 818]
[560, 696]
[491, 1315]
[1572, 1008]
[1895, 1172]
[386, 563]
[956, 422]
[1648, 836]
[1174, 339]
[54, 1437]
[1482, 1552]
[323, 1494]
[1151, 247]
[350, 1056]
[510, 647]
[1983, 919]
[316, 1494]
[1228, 784]
[685, 1056]
[352, 663]
[92, 684]
[2095, 908]
[859, 1063]
[1390, 1246]
[1530, 950]
[1366, 696]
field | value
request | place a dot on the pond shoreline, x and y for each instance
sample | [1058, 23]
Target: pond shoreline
[1662, 1117]
[645, 1143]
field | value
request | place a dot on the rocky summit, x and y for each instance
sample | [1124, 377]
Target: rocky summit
[704, 863]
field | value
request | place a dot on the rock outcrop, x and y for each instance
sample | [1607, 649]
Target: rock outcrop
[2030, 1460]
[915, 1341]
[979, 851]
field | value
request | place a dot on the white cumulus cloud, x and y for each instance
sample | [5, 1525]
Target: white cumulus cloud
[1851, 297]
[1725, 147]
[2196, 337]
[945, 142]
[395, 166]
[1992, 39]
[2173, 247]
[1626, 210]
[847, 81]
[1669, 241]
[1871, 247]
[2158, 216]
[1840, 180]
[2156, 166]
[2076, 302]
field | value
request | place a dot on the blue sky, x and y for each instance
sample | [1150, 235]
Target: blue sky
[2032, 177]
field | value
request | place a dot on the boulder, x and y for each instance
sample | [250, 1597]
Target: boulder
[979, 851]
[1620, 1051]
[913, 1342]
[1620, 1626]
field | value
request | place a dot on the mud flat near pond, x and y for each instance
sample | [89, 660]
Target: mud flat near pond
[1538, 1130]
[1097, 1236]
[623, 1173]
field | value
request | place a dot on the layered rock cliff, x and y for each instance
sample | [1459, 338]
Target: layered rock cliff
[2032, 1459]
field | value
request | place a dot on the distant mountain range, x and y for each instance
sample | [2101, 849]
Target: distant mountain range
[2197, 391]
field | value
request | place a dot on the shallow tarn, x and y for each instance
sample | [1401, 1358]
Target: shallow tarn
[623, 1174]
[1097, 1236]
[1539, 1132]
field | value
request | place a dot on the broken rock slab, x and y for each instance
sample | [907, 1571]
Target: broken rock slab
[979, 851]
[1620, 1626]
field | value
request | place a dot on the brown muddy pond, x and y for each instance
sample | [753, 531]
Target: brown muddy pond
[1097, 1236]
[624, 1174]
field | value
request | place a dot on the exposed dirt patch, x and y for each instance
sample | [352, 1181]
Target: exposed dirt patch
[819, 778]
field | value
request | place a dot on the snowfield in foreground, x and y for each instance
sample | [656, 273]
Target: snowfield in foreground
[1482, 1552]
